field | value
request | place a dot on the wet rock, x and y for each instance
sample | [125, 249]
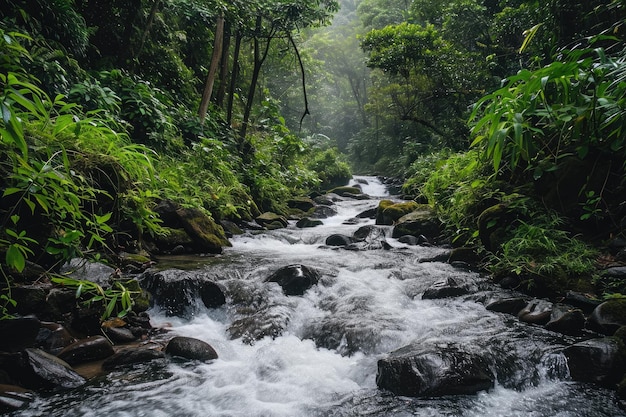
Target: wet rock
[368, 233]
[179, 292]
[409, 240]
[131, 356]
[53, 337]
[586, 303]
[356, 196]
[419, 222]
[323, 212]
[295, 279]
[566, 320]
[301, 203]
[208, 236]
[82, 269]
[510, 282]
[368, 214]
[468, 255]
[13, 398]
[190, 348]
[324, 200]
[18, 333]
[230, 228]
[37, 369]
[509, 305]
[388, 214]
[446, 289]
[120, 334]
[32, 300]
[608, 317]
[338, 240]
[596, 360]
[428, 371]
[536, 312]
[307, 222]
[87, 350]
[343, 190]
[271, 220]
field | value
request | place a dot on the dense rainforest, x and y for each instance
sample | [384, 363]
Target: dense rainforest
[506, 117]
[135, 131]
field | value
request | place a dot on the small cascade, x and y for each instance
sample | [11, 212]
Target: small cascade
[323, 350]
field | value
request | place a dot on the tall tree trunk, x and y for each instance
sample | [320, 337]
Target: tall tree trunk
[217, 54]
[258, 62]
[221, 92]
[146, 29]
[233, 78]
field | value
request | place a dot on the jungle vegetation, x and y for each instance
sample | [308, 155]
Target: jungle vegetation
[507, 116]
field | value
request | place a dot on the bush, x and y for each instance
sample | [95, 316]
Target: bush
[331, 168]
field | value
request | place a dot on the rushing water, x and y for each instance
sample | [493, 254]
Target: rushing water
[324, 361]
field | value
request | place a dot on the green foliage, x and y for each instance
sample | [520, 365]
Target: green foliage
[117, 300]
[541, 250]
[331, 168]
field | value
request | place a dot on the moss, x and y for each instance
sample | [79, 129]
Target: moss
[389, 212]
[206, 234]
[343, 190]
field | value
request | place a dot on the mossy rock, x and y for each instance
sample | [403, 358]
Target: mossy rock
[392, 213]
[382, 205]
[301, 203]
[492, 226]
[207, 235]
[608, 317]
[420, 222]
[342, 191]
[271, 220]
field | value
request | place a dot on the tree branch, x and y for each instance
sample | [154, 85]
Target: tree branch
[306, 100]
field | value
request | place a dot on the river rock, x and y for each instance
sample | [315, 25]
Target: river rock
[18, 333]
[120, 334]
[37, 369]
[596, 360]
[87, 350]
[307, 222]
[179, 292]
[508, 305]
[388, 214]
[356, 196]
[53, 337]
[583, 301]
[608, 317]
[208, 236]
[131, 356]
[566, 320]
[295, 279]
[410, 240]
[271, 220]
[324, 200]
[301, 203]
[419, 222]
[81, 269]
[190, 348]
[13, 398]
[370, 237]
[368, 214]
[338, 240]
[536, 312]
[323, 212]
[230, 228]
[444, 289]
[428, 371]
[343, 190]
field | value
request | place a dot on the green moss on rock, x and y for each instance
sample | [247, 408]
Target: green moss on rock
[342, 191]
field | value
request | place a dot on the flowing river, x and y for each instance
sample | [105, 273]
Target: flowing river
[323, 358]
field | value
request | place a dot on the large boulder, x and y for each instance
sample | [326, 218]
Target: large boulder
[190, 348]
[420, 222]
[436, 370]
[87, 350]
[608, 317]
[338, 240]
[36, 369]
[271, 220]
[596, 360]
[190, 228]
[323, 212]
[566, 320]
[301, 203]
[507, 305]
[445, 289]
[389, 214]
[180, 293]
[295, 279]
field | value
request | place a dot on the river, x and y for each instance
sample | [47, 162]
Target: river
[323, 360]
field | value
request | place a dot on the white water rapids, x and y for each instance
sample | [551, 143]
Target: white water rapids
[367, 304]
